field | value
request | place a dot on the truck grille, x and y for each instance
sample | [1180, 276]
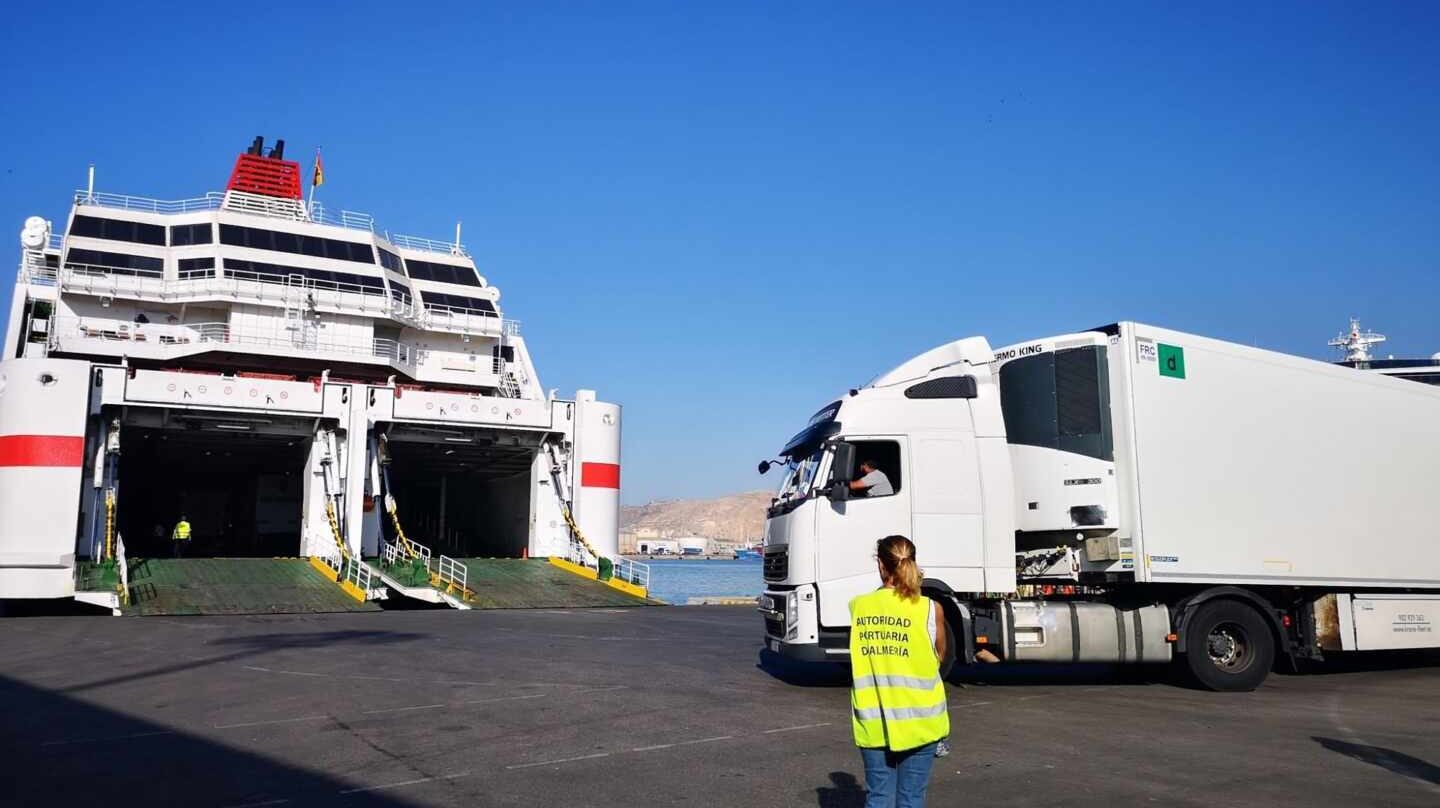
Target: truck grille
[775, 626]
[777, 564]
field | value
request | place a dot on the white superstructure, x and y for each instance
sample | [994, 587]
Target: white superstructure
[1355, 345]
[271, 368]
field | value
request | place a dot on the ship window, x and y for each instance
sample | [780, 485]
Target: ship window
[97, 262]
[275, 273]
[1059, 400]
[183, 235]
[255, 238]
[459, 303]
[399, 291]
[193, 268]
[442, 273]
[118, 230]
[390, 260]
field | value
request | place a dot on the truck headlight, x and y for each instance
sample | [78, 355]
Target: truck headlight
[792, 615]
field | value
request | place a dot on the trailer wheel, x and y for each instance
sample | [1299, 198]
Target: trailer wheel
[1228, 647]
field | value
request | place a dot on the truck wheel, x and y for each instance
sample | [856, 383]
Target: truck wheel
[1228, 647]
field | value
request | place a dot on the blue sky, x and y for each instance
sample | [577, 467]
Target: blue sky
[719, 216]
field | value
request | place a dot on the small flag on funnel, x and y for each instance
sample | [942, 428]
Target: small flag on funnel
[318, 178]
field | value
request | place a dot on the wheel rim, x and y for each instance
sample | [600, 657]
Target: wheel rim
[1229, 647]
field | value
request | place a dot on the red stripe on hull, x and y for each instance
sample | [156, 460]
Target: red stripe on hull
[600, 475]
[54, 451]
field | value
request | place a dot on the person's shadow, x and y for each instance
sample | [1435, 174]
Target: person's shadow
[844, 792]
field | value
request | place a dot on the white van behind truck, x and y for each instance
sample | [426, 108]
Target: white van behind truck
[1124, 494]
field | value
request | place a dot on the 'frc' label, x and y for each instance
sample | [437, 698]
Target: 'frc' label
[1145, 350]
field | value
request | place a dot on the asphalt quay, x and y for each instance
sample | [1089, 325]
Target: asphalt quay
[658, 706]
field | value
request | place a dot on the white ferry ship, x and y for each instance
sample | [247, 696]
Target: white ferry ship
[290, 379]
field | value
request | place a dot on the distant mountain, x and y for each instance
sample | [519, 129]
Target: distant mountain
[737, 518]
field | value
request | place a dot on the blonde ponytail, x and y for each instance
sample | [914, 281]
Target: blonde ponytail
[897, 559]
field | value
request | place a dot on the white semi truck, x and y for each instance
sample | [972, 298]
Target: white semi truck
[1124, 494]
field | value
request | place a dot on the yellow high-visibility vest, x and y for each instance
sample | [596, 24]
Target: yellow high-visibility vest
[181, 532]
[897, 700]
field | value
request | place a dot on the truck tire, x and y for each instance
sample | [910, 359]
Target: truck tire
[1228, 646]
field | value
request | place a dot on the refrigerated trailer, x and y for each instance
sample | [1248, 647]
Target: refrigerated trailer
[1127, 494]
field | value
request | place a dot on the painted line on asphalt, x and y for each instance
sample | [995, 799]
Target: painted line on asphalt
[683, 743]
[407, 680]
[525, 697]
[258, 804]
[403, 709]
[508, 698]
[971, 704]
[673, 744]
[416, 781]
[795, 728]
[287, 673]
[267, 723]
[560, 760]
[108, 738]
[599, 637]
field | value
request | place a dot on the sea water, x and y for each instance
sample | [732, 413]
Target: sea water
[681, 579]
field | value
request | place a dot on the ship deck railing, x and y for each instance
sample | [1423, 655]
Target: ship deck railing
[291, 210]
[281, 290]
[74, 334]
[33, 269]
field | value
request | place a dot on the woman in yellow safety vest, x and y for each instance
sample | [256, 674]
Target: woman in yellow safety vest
[897, 639]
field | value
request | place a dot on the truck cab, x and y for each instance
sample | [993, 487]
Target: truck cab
[933, 427]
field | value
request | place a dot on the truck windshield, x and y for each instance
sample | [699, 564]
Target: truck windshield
[799, 476]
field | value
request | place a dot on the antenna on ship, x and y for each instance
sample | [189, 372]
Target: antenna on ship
[457, 238]
[1356, 344]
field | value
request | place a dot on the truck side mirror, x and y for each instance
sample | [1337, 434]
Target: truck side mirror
[842, 463]
[763, 467]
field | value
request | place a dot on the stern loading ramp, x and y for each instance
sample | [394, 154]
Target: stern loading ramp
[240, 481]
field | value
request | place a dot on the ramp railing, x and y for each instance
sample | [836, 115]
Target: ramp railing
[452, 574]
[635, 572]
[394, 552]
[333, 560]
[359, 575]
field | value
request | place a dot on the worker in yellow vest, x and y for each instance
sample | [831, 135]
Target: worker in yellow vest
[179, 537]
[897, 700]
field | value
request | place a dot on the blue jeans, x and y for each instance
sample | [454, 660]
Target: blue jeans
[897, 779]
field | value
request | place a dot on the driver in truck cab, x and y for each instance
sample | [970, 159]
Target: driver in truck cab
[872, 482]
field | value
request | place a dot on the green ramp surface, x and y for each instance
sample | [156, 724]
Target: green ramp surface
[234, 586]
[534, 583]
